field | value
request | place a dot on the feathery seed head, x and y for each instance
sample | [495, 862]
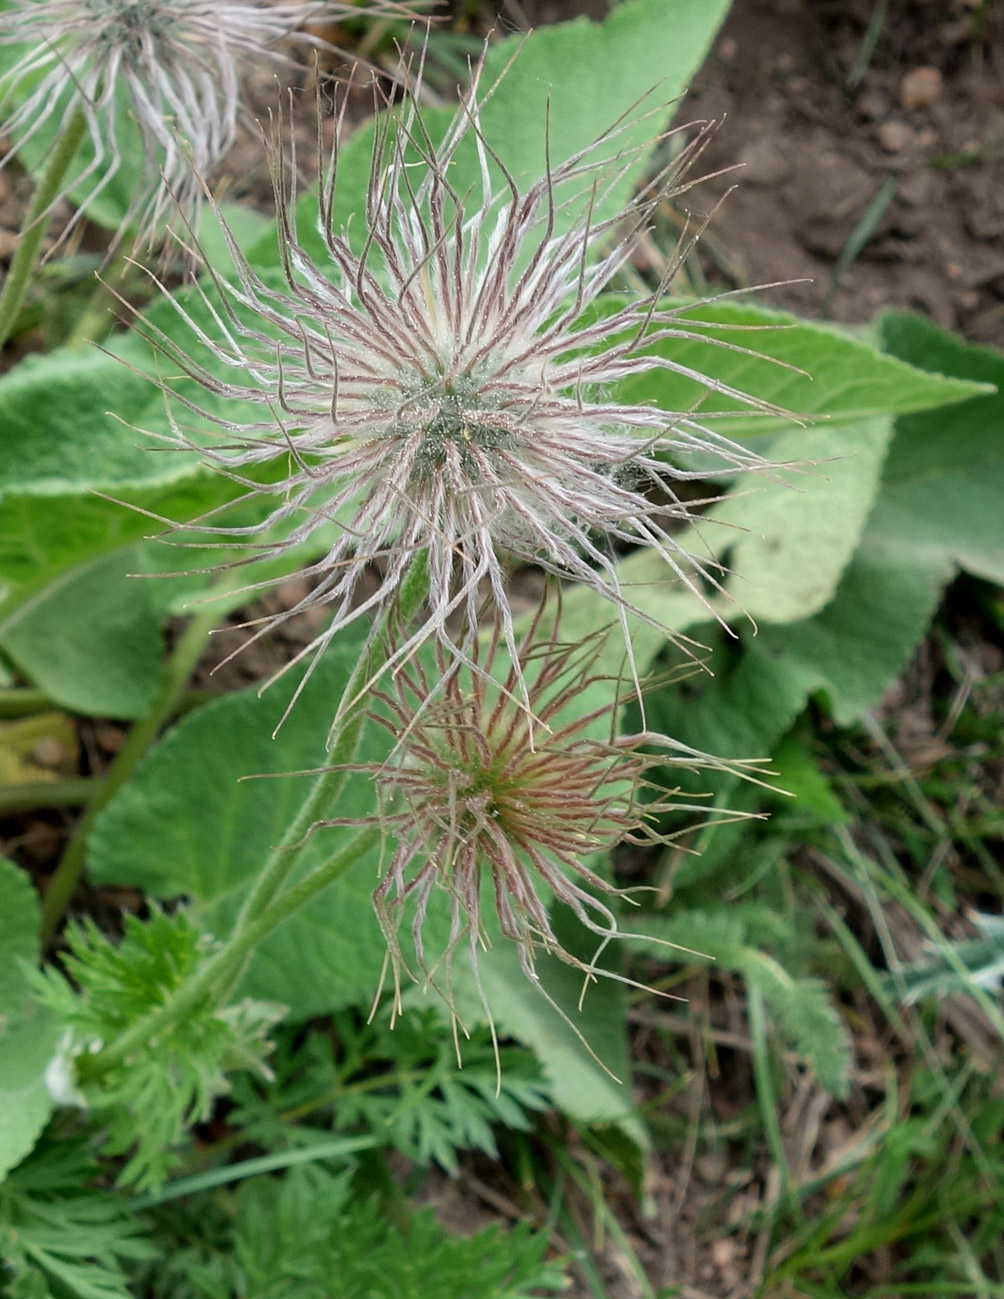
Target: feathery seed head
[503, 805]
[176, 62]
[451, 386]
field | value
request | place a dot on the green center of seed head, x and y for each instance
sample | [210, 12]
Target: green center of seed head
[125, 21]
[452, 415]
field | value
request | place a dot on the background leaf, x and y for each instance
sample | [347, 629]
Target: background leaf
[91, 639]
[187, 824]
[27, 1035]
[583, 1051]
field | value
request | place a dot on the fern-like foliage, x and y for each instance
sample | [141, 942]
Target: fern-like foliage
[303, 1238]
[733, 936]
[405, 1085]
[59, 1239]
[150, 1101]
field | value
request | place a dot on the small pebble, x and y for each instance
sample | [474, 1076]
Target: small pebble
[894, 136]
[920, 88]
[48, 752]
[729, 48]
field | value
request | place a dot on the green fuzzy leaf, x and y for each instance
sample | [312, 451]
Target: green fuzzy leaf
[27, 1034]
[786, 543]
[91, 639]
[18, 936]
[149, 1101]
[77, 422]
[855, 647]
[189, 825]
[816, 372]
[943, 488]
[796, 537]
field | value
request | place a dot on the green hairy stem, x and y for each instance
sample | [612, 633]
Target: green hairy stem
[36, 223]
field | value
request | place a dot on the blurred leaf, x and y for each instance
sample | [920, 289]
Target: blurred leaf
[799, 1004]
[27, 1034]
[91, 639]
[205, 832]
[811, 794]
[18, 935]
[289, 1236]
[60, 1236]
[803, 1010]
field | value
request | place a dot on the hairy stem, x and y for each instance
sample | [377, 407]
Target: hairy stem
[31, 795]
[36, 223]
[24, 701]
[282, 860]
[204, 985]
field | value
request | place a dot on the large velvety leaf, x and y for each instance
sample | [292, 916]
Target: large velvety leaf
[188, 824]
[91, 639]
[943, 488]
[786, 544]
[27, 1036]
[75, 422]
[815, 372]
[795, 536]
[546, 104]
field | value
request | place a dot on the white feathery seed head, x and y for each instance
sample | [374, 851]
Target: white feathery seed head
[449, 388]
[173, 65]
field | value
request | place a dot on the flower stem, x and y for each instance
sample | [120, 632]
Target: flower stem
[36, 223]
[176, 672]
[24, 701]
[205, 983]
[282, 860]
[31, 795]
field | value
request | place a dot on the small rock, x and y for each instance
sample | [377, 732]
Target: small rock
[894, 136]
[110, 738]
[48, 752]
[729, 48]
[920, 88]
[785, 63]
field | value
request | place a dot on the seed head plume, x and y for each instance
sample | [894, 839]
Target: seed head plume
[506, 807]
[448, 384]
[174, 66]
